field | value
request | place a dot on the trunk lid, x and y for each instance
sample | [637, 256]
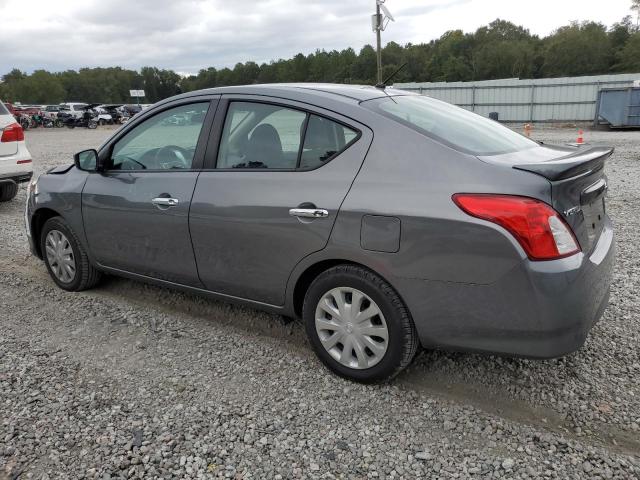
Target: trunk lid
[578, 184]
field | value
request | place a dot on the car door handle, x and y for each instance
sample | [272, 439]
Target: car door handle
[309, 212]
[165, 202]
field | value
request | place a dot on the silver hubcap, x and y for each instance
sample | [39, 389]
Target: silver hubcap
[351, 328]
[60, 256]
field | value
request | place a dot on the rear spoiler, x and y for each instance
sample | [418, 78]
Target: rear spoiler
[583, 161]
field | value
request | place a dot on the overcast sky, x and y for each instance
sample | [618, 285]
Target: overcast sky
[187, 35]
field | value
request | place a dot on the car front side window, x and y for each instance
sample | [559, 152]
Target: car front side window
[166, 141]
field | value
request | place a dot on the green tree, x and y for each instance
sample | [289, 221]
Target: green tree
[14, 75]
[365, 67]
[629, 57]
[502, 50]
[450, 61]
[578, 49]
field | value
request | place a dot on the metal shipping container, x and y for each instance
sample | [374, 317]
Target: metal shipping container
[618, 107]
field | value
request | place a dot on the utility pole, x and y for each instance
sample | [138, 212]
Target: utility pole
[379, 41]
[378, 24]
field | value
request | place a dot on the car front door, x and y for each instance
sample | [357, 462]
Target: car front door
[136, 212]
[271, 193]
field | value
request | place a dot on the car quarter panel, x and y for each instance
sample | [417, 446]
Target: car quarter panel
[411, 177]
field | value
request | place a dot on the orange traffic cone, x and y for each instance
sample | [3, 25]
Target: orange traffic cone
[527, 129]
[580, 139]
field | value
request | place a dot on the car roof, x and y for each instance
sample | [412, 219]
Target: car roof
[350, 93]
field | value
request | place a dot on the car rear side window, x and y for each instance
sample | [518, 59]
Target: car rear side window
[454, 126]
[3, 109]
[266, 136]
[324, 139]
[260, 136]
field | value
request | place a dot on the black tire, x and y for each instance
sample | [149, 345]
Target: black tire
[403, 338]
[92, 124]
[8, 191]
[86, 276]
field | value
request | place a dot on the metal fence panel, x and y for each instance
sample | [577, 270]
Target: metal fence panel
[515, 100]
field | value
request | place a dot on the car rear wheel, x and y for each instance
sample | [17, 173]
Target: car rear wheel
[358, 325]
[8, 190]
[65, 258]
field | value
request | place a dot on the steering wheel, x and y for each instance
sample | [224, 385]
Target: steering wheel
[181, 157]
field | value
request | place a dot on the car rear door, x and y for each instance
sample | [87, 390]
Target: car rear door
[267, 199]
[136, 213]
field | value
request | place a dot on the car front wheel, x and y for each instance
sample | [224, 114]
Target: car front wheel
[65, 258]
[358, 325]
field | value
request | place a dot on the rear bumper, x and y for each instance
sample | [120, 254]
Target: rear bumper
[537, 310]
[17, 167]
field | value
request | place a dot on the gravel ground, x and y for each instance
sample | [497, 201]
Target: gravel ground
[130, 380]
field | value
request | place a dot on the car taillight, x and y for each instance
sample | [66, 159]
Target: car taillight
[536, 225]
[12, 133]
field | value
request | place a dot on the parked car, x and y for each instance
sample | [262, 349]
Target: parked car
[114, 110]
[131, 110]
[73, 109]
[15, 160]
[89, 118]
[384, 219]
[51, 111]
[23, 114]
[103, 117]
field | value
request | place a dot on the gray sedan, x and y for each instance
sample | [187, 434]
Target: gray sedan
[385, 220]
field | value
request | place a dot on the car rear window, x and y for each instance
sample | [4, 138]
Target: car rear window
[3, 109]
[454, 126]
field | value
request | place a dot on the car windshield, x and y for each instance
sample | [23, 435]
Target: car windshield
[451, 125]
[3, 109]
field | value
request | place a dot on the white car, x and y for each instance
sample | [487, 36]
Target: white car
[16, 165]
[50, 111]
[77, 110]
[102, 116]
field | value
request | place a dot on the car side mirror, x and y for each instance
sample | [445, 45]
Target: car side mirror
[87, 160]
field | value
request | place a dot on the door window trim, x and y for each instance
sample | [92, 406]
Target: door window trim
[106, 150]
[211, 162]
